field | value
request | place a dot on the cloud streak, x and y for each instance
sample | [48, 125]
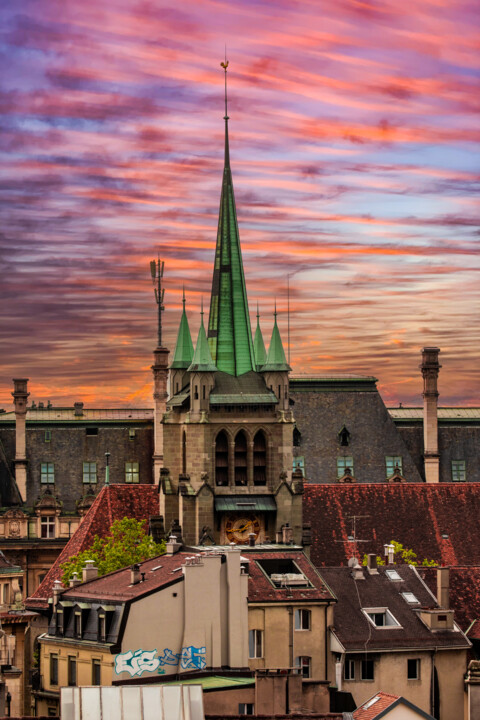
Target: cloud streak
[353, 137]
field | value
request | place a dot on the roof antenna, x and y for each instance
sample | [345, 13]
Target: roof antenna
[156, 270]
[288, 316]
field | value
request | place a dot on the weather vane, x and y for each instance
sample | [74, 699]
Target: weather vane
[224, 65]
[156, 269]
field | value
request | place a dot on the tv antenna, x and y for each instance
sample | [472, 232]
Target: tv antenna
[353, 536]
[156, 270]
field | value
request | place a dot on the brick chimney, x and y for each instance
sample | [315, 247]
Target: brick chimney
[443, 587]
[20, 396]
[430, 368]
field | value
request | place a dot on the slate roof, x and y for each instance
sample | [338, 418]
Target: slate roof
[112, 503]
[444, 413]
[464, 596]
[357, 633]
[244, 389]
[438, 522]
[261, 589]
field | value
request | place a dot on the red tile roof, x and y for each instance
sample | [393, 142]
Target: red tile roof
[464, 596]
[261, 589]
[116, 586]
[372, 709]
[112, 503]
[416, 514]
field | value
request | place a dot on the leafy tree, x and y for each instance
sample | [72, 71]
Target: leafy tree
[403, 555]
[126, 543]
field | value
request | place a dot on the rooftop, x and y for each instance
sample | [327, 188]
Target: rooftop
[63, 414]
[378, 705]
[357, 633]
[444, 413]
[112, 503]
[439, 522]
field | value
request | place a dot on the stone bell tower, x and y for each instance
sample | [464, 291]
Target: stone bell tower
[430, 368]
[160, 373]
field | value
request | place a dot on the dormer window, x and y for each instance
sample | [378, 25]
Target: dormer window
[77, 624]
[47, 527]
[344, 436]
[381, 618]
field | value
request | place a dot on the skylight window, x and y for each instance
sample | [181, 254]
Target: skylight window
[393, 575]
[381, 618]
[410, 598]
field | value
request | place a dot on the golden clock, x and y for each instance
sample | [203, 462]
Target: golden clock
[239, 527]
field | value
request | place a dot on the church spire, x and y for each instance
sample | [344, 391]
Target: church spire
[276, 360]
[183, 355]
[202, 359]
[229, 331]
[259, 345]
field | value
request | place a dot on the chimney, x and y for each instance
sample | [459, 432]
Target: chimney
[443, 587]
[90, 572]
[251, 539]
[78, 409]
[357, 571]
[57, 591]
[372, 564]
[287, 534]
[172, 545]
[389, 553]
[430, 369]
[135, 574]
[20, 396]
[75, 580]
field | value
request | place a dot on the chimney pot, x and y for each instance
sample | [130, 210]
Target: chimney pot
[78, 409]
[372, 564]
[251, 539]
[443, 587]
[135, 574]
[89, 572]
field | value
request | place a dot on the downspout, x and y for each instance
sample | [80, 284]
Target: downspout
[290, 635]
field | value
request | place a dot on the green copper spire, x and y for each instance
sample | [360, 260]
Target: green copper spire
[229, 331]
[184, 348]
[259, 345]
[276, 360]
[202, 360]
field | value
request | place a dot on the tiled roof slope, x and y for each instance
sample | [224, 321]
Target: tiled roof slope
[383, 701]
[113, 503]
[116, 586]
[356, 632]
[260, 589]
[414, 514]
[464, 596]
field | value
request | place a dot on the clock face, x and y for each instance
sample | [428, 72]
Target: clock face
[239, 527]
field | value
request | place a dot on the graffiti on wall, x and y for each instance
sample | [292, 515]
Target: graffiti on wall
[140, 661]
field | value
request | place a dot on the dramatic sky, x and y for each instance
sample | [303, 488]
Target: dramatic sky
[354, 139]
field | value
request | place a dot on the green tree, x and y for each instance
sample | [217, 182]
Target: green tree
[126, 543]
[403, 556]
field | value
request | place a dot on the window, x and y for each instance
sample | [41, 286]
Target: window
[47, 527]
[413, 669]
[344, 436]
[48, 435]
[240, 455]
[410, 598]
[90, 472]
[132, 472]
[381, 617]
[344, 464]
[259, 459]
[299, 462]
[59, 622]
[96, 672]
[304, 665]
[393, 575]
[53, 669]
[221, 459]
[91, 431]
[392, 462]
[47, 473]
[72, 671]
[77, 624]
[102, 628]
[131, 433]
[302, 619]
[255, 643]
[297, 437]
[458, 471]
[367, 670]
[6, 594]
[246, 709]
[349, 670]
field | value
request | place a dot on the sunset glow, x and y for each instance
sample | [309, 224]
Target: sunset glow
[354, 141]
